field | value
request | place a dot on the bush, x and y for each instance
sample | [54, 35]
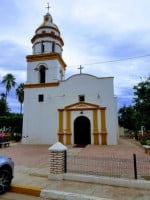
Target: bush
[145, 139]
[16, 136]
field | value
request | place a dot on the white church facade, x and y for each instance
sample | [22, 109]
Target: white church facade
[79, 110]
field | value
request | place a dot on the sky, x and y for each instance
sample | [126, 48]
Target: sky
[108, 38]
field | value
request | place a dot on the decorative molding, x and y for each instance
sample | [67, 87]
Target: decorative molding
[46, 56]
[47, 27]
[43, 35]
[82, 106]
[41, 85]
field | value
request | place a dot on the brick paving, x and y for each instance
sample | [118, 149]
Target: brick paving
[38, 155]
[125, 149]
[27, 155]
[30, 157]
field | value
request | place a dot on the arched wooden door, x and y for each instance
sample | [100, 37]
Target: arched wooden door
[82, 130]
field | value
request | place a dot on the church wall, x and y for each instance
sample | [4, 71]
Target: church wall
[42, 119]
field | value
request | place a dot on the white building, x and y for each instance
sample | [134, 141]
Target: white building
[78, 110]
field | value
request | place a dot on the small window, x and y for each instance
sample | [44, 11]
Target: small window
[42, 47]
[53, 46]
[81, 98]
[41, 97]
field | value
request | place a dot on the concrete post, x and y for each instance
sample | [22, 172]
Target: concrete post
[57, 161]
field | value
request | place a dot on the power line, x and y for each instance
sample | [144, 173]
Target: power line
[111, 61]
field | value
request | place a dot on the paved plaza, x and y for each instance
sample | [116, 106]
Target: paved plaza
[32, 168]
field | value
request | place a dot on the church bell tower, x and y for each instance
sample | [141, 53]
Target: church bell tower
[46, 65]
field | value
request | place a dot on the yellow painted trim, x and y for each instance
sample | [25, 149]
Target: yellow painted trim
[82, 105]
[26, 190]
[46, 56]
[60, 131]
[95, 128]
[104, 139]
[41, 85]
[49, 27]
[87, 106]
[44, 35]
[68, 128]
[103, 126]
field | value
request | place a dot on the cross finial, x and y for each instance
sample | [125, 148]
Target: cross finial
[48, 7]
[80, 68]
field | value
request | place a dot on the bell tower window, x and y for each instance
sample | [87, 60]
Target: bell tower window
[42, 48]
[53, 46]
[42, 74]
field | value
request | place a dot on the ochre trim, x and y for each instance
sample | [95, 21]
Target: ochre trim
[68, 128]
[48, 27]
[46, 56]
[82, 105]
[103, 126]
[95, 128]
[41, 85]
[43, 35]
[88, 106]
[60, 131]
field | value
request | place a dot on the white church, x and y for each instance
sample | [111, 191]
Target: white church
[78, 110]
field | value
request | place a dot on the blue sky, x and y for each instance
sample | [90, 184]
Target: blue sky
[96, 31]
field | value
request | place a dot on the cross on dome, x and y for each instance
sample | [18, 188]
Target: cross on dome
[48, 7]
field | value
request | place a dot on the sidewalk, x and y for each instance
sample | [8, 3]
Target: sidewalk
[32, 168]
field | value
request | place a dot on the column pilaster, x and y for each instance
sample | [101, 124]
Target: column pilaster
[68, 127]
[60, 130]
[103, 126]
[95, 128]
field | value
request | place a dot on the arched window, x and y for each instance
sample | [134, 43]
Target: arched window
[42, 74]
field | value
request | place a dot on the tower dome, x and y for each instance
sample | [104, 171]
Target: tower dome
[47, 38]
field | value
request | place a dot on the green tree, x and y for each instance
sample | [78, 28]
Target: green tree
[3, 97]
[142, 103]
[9, 82]
[20, 95]
[4, 110]
[137, 116]
[127, 117]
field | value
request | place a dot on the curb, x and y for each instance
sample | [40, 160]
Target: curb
[120, 182]
[68, 195]
[55, 194]
[33, 191]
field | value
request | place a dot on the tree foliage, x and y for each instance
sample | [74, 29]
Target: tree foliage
[142, 103]
[4, 110]
[20, 95]
[9, 82]
[127, 117]
[133, 117]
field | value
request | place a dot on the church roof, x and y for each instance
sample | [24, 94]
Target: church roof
[48, 22]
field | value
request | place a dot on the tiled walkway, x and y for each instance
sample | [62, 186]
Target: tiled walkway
[125, 149]
[30, 159]
[38, 155]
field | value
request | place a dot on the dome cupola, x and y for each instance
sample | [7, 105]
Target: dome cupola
[47, 38]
